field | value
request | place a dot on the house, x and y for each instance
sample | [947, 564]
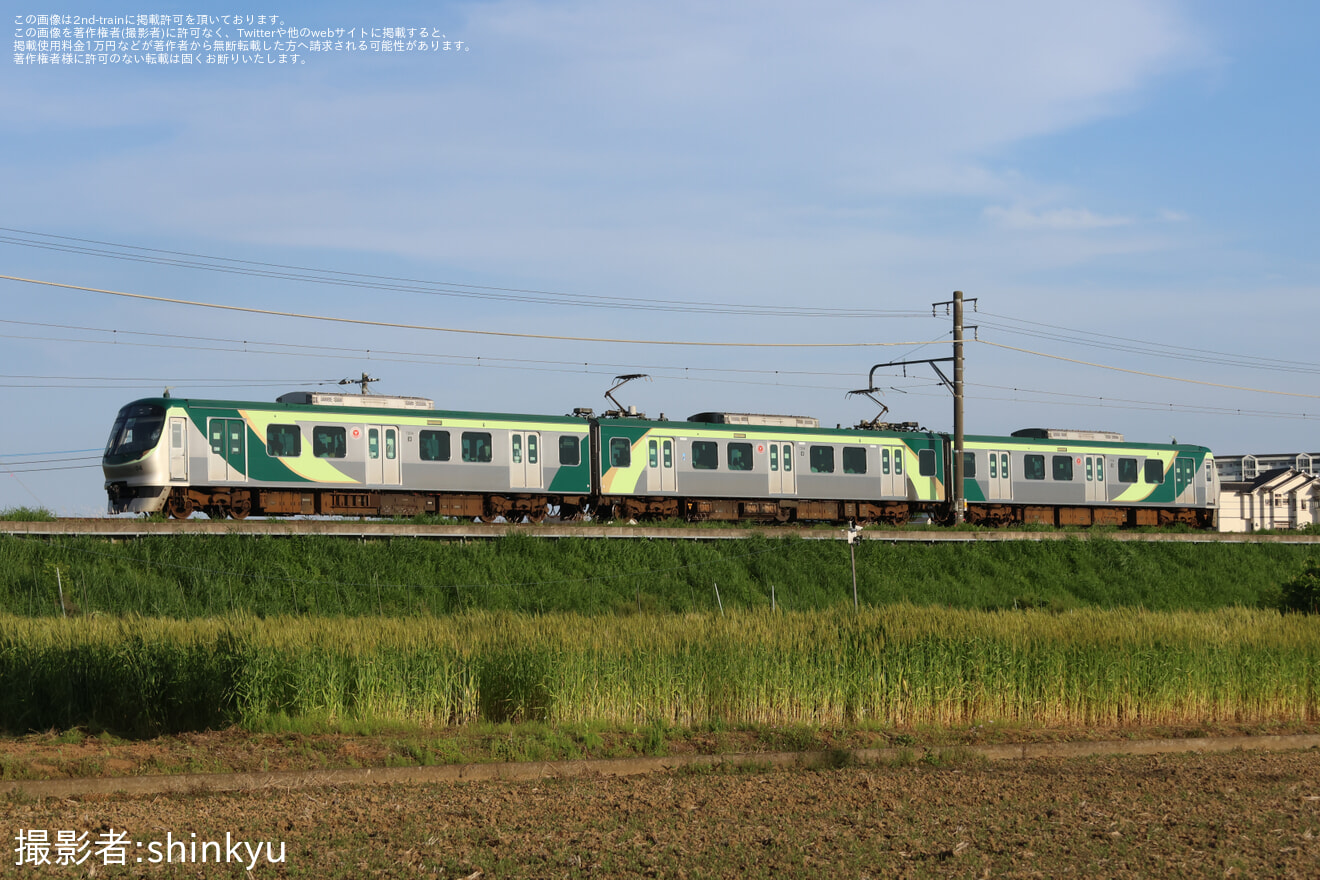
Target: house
[1282, 498]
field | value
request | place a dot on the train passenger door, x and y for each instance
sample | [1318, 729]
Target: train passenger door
[660, 464]
[383, 455]
[228, 459]
[1095, 478]
[1184, 474]
[783, 477]
[178, 449]
[525, 460]
[892, 482]
[999, 479]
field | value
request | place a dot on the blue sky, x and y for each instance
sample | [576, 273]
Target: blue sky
[1139, 176]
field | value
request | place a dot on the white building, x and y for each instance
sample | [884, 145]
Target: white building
[1246, 468]
[1283, 498]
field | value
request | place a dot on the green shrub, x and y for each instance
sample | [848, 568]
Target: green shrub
[1302, 593]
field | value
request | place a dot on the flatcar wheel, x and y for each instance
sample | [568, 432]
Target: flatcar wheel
[179, 506]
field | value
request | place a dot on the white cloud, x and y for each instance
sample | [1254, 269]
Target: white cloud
[1056, 219]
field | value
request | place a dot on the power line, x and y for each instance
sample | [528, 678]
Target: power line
[1145, 373]
[1092, 339]
[405, 326]
[188, 260]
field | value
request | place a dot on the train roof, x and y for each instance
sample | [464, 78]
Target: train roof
[396, 412]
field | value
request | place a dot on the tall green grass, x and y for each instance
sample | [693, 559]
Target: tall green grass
[897, 665]
[195, 576]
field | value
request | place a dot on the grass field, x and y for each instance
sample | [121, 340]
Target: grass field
[894, 666]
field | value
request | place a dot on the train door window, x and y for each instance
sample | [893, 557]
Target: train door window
[653, 453]
[1063, 468]
[373, 443]
[1003, 465]
[570, 451]
[434, 446]
[517, 448]
[854, 461]
[284, 441]
[898, 462]
[1127, 470]
[822, 459]
[1154, 471]
[884, 461]
[994, 471]
[969, 465]
[667, 449]
[774, 456]
[1090, 473]
[1033, 467]
[705, 455]
[476, 446]
[788, 457]
[531, 449]
[1100, 468]
[329, 442]
[925, 463]
[620, 452]
[391, 444]
[740, 456]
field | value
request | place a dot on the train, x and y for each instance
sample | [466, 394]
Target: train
[371, 455]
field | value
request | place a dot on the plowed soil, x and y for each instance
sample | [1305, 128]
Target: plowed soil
[1248, 814]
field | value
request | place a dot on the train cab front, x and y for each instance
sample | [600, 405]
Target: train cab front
[136, 479]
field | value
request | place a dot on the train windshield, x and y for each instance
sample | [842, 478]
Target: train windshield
[136, 431]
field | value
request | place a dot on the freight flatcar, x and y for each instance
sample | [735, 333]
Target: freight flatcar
[370, 455]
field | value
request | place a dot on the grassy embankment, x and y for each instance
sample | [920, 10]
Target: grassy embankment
[186, 577]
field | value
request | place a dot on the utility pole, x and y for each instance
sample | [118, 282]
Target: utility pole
[956, 500]
[959, 502]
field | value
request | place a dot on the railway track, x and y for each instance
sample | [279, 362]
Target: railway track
[135, 527]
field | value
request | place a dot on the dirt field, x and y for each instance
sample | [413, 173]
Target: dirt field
[1248, 814]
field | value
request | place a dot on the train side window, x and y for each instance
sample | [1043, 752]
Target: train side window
[1033, 467]
[620, 452]
[969, 466]
[1127, 470]
[570, 451]
[854, 460]
[476, 446]
[1154, 471]
[434, 446]
[822, 459]
[925, 463]
[1063, 468]
[740, 456]
[284, 441]
[705, 455]
[329, 442]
